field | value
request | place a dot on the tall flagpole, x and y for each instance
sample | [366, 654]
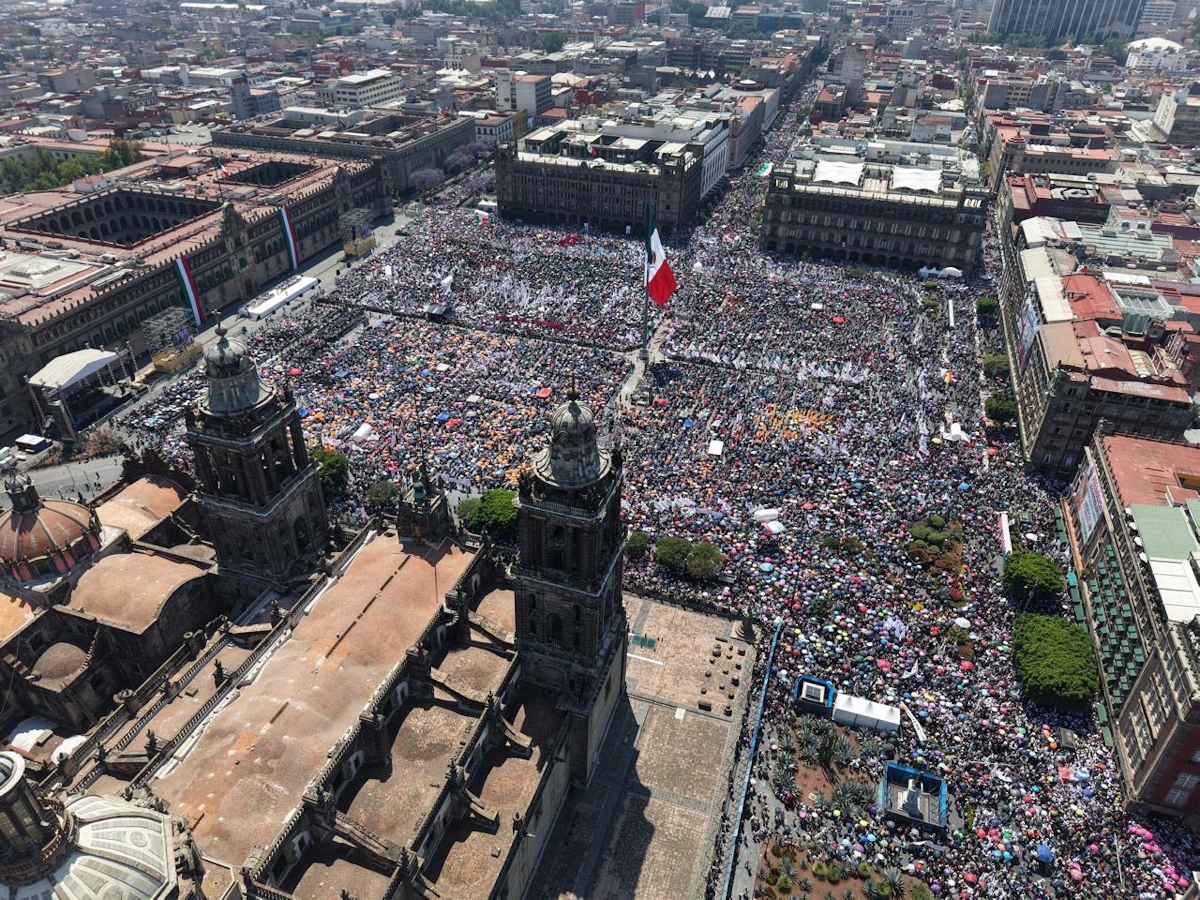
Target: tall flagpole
[645, 353]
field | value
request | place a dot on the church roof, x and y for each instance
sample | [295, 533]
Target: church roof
[15, 613]
[128, 589]
[142, 505]
[122, 850]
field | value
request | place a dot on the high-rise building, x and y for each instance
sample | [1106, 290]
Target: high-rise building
[529, 93]
[1132, 517]
[571, 629]
[1078, 20]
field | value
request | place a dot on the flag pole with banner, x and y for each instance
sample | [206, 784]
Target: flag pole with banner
[660, 280]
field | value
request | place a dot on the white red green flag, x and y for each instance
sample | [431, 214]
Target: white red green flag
[184, 271]
[660, 280]
[289, 235]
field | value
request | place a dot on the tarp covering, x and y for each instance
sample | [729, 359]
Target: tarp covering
[72, 368]
[859, 711]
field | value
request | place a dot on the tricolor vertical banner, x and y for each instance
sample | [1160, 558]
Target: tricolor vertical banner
[184, 271]
[290, 236]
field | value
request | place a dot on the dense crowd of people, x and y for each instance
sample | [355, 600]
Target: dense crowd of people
[835, 403]
[543, 283]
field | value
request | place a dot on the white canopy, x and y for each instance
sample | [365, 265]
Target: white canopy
[72, 368]
[859, 711]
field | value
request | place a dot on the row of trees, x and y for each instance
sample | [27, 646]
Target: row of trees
[42, 171]
[429, 178]
[702, 560]
[1053, 658]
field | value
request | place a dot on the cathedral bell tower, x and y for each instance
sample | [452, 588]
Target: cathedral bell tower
[259, 493]
[571, 630]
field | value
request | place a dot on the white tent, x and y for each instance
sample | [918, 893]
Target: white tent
[865, 713]
[716, 448]
[72, 368]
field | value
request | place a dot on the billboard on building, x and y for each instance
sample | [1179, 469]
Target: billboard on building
[1086, 500]
[1028, 327]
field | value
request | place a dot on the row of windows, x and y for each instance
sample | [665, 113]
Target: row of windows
[120, 328]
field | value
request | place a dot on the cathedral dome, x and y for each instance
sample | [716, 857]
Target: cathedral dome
[234, 384]
[573, 459]
[41, 537]
[97, 847]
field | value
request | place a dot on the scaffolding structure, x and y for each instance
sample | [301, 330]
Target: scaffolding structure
[355, 224]
[170, 338]
[170, 329]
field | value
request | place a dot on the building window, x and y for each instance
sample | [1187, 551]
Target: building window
[1181, 790]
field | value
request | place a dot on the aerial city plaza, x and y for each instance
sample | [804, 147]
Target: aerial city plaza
[601, 450]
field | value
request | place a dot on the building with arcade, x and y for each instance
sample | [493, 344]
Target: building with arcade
[859, 210]
[88, 270]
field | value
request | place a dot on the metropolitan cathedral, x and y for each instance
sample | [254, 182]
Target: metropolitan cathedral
[150, 633]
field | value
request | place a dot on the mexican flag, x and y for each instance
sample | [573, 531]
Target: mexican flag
[660, 280]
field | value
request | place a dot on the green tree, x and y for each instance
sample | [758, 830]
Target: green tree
[1054, 661]
[995, 365]
[334, 469]
[1031, 575]
[468, 509]
[986, 307]
[705, 561]
[672, 551]
[1117, 48]
[120, 153]
[382, 493]
[553, 41]
[637, 543]
[1001, 407]
[497, 513]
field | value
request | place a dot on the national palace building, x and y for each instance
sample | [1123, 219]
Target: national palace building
[88, 265]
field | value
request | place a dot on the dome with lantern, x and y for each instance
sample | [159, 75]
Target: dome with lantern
[572, 459]
[94, 846]
[42, 537]
[234, 384]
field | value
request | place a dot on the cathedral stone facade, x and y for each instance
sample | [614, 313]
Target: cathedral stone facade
[258, 491]
[571, 629]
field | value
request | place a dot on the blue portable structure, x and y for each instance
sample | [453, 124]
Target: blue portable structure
[920, 798]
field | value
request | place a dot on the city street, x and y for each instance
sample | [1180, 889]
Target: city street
[73, 480]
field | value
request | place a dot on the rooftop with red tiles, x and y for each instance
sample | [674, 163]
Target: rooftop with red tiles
[258, 754]
[1147, 471]
[129, 589]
